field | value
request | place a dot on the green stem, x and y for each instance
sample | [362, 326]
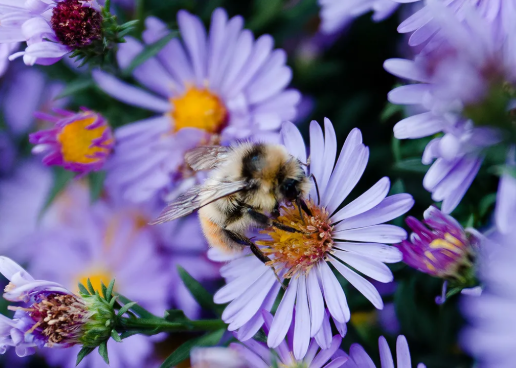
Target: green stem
[158, 325]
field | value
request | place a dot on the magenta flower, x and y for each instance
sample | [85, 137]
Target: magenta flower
[80, 142]
[358, 357]
[352, 237]
[445, 250]
[212, 87]
[51, 28]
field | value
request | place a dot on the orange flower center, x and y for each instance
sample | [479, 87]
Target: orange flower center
[199, 108]
[299, 251]
[77, 141]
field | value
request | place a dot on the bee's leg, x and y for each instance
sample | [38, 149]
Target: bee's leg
[242, 240]
[265, 221]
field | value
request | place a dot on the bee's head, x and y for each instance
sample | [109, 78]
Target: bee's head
[295, 184]
[291, 189]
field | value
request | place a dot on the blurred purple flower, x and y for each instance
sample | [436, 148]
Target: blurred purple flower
[25, 91]
[80, 142]
[255, 354]
[22, 196]
[208, 88]
[101, 243]
[7, 153]
[27, 330]
[457, 85]
[445, 250]
[51, 28]
[425, 27]
[335, 14]
[358, 357]
[489, 337]
[505, 212]
[353, 235]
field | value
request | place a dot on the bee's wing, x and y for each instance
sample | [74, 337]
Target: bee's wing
[206, 157]
[197, 197]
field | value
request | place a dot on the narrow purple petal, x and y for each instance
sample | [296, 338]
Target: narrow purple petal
[385, 353]
[283, 317]
[403, 353]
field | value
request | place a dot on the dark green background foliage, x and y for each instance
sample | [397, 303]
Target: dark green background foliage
[345, 81]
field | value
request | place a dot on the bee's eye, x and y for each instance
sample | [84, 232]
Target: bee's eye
[289, 189]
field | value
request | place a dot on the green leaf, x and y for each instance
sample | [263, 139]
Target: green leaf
[75, 87]
[83, 290]
[85, 351]
[127, 334]
[129, 24]
[103, 351]
[125, 308]
[61, 179]
[115, 336]
[149, 52]
[486, 203]
[109, 290]
[411, 165]
[183, 351]
[103, 288]
[90, 287]
[96, 181]
[199, 293]
[389, 111]
[142, 313]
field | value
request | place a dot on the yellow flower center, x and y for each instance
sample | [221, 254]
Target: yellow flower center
[199, 108]
[299, 251]
[76, 141]
[97, 276]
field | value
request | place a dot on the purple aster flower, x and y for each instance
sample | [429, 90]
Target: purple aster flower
[489, 337]
[335, 14]
[213, 87]
[445, 250]
[255, 354]
[424, 26]
[353, 236]
[51, 28]
[80, 142]
[25, 91]
[52, 315]
[102, 243]
[358, 357]
[457, 86]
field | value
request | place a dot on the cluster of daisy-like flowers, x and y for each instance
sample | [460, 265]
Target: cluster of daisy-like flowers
[221, 86]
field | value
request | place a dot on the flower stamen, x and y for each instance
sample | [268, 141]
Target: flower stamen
[299, 251]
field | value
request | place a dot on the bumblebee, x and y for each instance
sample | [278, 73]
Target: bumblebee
[246, 185]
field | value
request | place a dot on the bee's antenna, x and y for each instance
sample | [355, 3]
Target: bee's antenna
[317, 189]
[302, 205]
[298, 202]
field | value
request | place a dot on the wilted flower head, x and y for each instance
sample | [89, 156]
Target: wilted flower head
[80, 142]
[51, 315]
[465, 95]
[51, 28]
[445, 250]
[352, 237]
[214, 87]
[358, 357]
[335, 14]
